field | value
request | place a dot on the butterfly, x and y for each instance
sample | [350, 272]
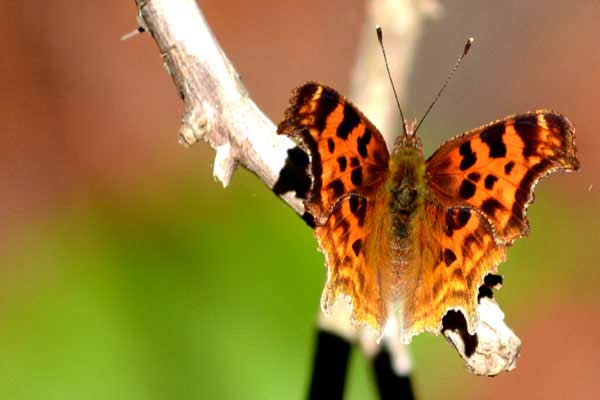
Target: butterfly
[413, 236]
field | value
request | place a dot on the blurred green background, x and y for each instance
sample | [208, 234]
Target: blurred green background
[126, 272]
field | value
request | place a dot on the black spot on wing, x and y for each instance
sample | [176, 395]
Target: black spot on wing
[469, 158]
[294, 175]
[463, 217]
[356, 176]
[342, 162]
[354, 200]
[358, 207]
[489, 206]
[474, 176]
[354, 162]
[330, 145]
[466, 190]
[456, 219]
[489, 181]
[357, 246]
[337, 187]
[326, 103]
[527, 129]
[349, 122]
[449, 257]
[508, 167]
[362, 142]
[492, 136]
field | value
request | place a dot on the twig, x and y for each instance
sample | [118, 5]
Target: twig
[219, 111]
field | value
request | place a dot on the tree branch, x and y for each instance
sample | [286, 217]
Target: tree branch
[219, 111]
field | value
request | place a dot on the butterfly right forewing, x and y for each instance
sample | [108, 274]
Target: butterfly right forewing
[495, 168]
[348, 154]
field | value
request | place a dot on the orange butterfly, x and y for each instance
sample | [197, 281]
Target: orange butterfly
[414, 236]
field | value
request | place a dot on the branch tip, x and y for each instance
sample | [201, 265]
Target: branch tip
[133, 33]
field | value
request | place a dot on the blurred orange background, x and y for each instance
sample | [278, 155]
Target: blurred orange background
[125, 271]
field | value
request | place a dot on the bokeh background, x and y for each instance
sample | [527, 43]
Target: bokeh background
[126, 272]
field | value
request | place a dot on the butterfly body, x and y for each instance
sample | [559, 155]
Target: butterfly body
[416, 237]
[406, 186]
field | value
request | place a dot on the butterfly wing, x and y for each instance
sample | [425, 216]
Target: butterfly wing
[348, 166]
[455, 251]
[348, 154]
[495, 168]
[480, 184]
[355, 250]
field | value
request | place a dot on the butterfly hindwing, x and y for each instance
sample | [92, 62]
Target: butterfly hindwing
[456, 251]
[494, 168]
[348, 154]
[353, 250]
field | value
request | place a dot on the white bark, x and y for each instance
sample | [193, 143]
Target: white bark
[219, 111]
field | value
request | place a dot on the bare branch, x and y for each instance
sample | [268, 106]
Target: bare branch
[218, 109]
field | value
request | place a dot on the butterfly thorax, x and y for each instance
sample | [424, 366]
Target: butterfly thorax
[406, 188]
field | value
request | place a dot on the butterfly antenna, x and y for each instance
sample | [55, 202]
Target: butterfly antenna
[450, 75]
[387, 67]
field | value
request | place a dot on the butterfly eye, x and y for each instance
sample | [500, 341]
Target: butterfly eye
[405, 197]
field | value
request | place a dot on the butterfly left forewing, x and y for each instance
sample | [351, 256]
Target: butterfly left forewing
[494, 168]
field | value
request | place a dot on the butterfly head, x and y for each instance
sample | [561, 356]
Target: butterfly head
[408, 140]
